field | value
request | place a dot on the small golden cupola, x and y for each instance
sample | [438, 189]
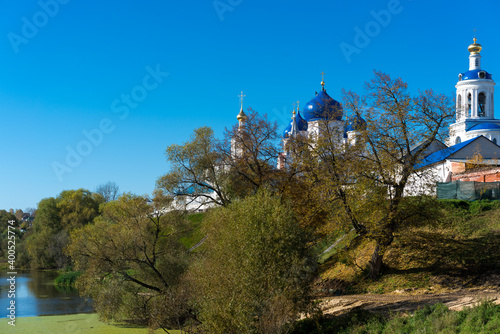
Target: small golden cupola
[475, 48]
[242, 117]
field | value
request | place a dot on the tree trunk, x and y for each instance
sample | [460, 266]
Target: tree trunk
[376, 264]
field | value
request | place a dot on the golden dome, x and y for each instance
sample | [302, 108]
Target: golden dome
[241, 116]
[475, 48]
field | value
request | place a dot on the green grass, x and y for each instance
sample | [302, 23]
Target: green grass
[458, 247]
[71, 324]
[437, 318]
[195, 234]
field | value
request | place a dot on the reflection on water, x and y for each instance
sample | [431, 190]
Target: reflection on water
[36, 294]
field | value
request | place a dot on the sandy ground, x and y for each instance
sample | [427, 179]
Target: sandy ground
[403, 302]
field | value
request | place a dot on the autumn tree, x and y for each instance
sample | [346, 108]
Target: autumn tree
[365, 181]
[250, 151]
[254, 273]
[132, 262]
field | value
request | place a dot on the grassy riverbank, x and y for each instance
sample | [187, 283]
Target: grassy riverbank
[71, 324]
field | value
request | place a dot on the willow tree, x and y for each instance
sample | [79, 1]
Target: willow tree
[132, 262]
[366, 180]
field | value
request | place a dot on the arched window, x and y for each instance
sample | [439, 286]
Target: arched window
[458, 140]
[494, 140]
[459, 107]
[469, 105]
[481, 100]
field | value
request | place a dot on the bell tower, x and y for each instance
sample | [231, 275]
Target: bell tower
[474, 97]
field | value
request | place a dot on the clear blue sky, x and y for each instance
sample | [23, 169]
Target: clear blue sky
[67, 67]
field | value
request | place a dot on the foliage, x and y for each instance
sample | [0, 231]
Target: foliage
[437, 318]
[212, 171]
[55, 218]
[255, 272]
[67, 278]
[132, 262]
[197, 171]
[364, 183]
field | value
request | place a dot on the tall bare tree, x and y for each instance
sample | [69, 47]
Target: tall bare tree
[110, 191]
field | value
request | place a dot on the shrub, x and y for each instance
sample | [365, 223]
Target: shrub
[68, 278]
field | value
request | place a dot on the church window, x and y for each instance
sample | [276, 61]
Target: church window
[459, 107]
[469, 105]
[481, 99]
[494, 140]
[458, 140]
[477, 62]
[482, 75]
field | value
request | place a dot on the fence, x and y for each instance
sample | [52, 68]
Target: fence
[469, 191]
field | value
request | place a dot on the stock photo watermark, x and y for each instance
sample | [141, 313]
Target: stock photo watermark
[223, 6]
[283, 116]
[363, 36]
[11, 273]
[120, 106]
[31, 26]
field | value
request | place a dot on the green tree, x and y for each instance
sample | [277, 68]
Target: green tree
[197, 170]
[55, 218]
[77, 208]
[132, 262]
[365, 182]
[255, 272]
[19, 214]
[43, 252]
[219, 171]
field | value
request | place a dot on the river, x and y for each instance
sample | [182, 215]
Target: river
[36, 294]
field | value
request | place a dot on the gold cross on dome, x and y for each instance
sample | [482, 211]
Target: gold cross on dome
[241, 96]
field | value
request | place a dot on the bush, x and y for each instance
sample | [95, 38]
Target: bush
[477, 207]
[68, 278]
[256, 270]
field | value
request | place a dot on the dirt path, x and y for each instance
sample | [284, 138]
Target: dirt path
[405, 303]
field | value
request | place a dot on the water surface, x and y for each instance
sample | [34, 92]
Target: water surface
[37, 295]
